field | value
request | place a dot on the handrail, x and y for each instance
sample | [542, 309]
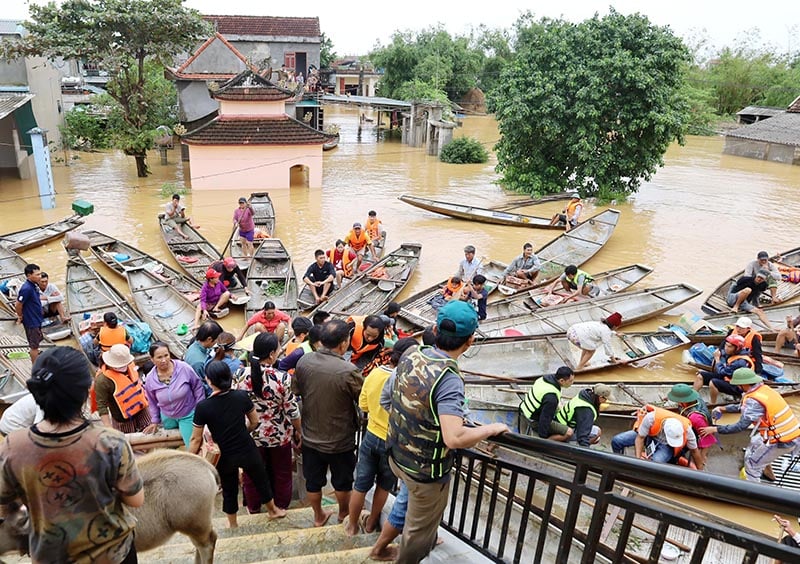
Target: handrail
[538, 500]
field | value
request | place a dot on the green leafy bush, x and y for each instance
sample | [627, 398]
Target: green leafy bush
[85, 130]
[464, 150]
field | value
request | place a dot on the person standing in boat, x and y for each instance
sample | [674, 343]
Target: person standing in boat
[213, 297]
[29, 309]
[777, 427]
[243, 218]
[539, 406]
[426, 423]
[570, 215]
[591, 335]
[526, 266]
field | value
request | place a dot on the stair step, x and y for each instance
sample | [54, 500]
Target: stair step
[352, 556]
[267, 546]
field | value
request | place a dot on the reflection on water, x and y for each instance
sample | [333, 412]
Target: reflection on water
[701, 217]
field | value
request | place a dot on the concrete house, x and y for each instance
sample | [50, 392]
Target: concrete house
[252, 144]
[774, 139]
[30, 96]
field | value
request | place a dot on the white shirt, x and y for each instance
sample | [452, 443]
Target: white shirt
[50, 295]
[20, 415]
[592, 335]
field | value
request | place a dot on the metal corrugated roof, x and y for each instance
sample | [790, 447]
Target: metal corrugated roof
[10, 102]
[783, 128]
[11, 27]
[367, 100]
[760, 111]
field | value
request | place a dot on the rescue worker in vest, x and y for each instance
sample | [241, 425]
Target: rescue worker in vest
[578, 283]
[661, 436]
[374, 228]
[426, 422]
[570, 215]
[119, 393]
[752, 341]
[580, 414]
[777, 427]
[692, 406]
[366, 338]
[360, 242]
[112, 333]
[343, 260]
[539, 406]
[733, 355]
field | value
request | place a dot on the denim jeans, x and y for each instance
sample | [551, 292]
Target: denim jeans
[373, 465]
[663, 452]
[397, 516]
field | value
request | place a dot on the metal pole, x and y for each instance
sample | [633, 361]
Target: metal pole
[44, 172]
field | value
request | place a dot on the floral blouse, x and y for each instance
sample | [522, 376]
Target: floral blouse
[276, 410]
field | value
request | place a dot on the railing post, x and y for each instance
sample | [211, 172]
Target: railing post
[565, 543]
[598, 517]
[44, 172]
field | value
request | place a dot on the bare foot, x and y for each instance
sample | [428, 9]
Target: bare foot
[277, 513]
[342, 516]
[388, 554]
[349, 529]
[439, 540]
[323, 522]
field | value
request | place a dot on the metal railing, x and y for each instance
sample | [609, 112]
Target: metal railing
[575, 497]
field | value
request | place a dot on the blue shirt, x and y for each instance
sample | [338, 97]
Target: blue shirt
[195, 357]
[28, 296]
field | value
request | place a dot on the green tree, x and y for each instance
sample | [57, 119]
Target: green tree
[464, 150]
[326, 53]
[592, 106]
[122, 36]
[494, 45]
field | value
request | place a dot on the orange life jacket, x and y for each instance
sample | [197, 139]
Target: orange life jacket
[347, 261]
[128, 390]
[357, 344]
[357, 243]
[109, 337]
[291, 346]
[748, 339]
[570, 211]
[779, 424]
[746, 357]
[451, 288]
[372, 227]
[661, 415]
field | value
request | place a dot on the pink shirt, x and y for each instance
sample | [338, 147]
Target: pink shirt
[698, 422]
[244, 217]
[269, 324]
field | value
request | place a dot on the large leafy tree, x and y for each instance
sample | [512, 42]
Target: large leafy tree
[592, 106]
[326, 51]
[122, 36]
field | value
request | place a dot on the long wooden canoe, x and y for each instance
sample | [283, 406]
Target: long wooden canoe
[264, 219]
[122, 257]
[533, 201]
[483, 215]
[715, 304]
[165, 309]
[609, 282]
[15, 361]
[12, 273]
[87, 293]
[713, 328]
[633, 306]
[528, 358]
[271, 277]
[195, 255]
[372, 290]
[34, 236]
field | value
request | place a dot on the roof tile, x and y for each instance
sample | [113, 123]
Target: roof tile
[265, 25]
[783, 128]
[255, 130]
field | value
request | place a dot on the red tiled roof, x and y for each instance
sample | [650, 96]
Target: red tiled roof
[248, 85]
[255, 130]
[265, 25]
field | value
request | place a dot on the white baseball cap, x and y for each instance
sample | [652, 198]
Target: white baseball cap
[673, 430]
[744, 322]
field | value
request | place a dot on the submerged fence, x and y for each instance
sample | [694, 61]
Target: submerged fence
[543, 501]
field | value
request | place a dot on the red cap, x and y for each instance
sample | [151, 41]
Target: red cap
[614, 320]
[230, 262]
[211, 273]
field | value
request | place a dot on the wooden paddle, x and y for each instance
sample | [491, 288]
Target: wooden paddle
[230, 239]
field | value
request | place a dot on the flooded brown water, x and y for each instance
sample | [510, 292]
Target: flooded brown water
[700, 219]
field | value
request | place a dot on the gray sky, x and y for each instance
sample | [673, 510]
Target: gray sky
[356, 26]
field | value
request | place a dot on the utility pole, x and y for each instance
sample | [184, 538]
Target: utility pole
[44, 172]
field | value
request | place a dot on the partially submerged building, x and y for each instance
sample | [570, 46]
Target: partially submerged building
[776, 138]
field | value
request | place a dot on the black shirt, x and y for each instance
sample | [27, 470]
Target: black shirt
[315, 273]
[225, 415]
[749, 282]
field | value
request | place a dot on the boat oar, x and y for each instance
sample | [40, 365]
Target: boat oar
[230, 239]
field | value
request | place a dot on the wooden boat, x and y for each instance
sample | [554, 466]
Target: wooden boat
[271, 277]
[609, 282]
[28, 238]
[528, 358]
[332, 143]
[715, 304]
[713, 328]
[87, 293]
[195, 255]
[633, 306]
[571, 247]
[533, 201]
[15, 361]
[372, 290]
[264, 219]
[166, 310]
[12, 276]
[122, 257]
[483, 215]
